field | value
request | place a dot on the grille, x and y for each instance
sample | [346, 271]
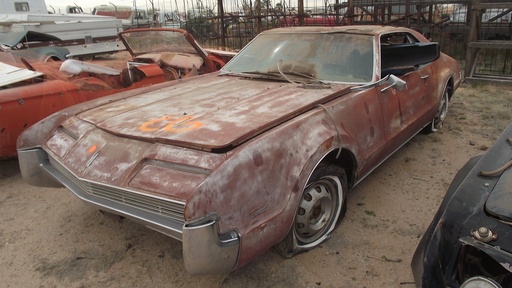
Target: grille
[165, 208]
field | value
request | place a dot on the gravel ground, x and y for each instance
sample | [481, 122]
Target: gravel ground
[49, 238]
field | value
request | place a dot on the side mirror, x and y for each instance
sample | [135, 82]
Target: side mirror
[394, 82]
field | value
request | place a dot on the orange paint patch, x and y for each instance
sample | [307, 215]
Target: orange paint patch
[92, 149]
[170, 124]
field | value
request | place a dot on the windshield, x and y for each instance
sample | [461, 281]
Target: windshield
[329, 57]
[141, 42]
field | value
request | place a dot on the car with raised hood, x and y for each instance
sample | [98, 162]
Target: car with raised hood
[469, 242]
[258, 155]
[32, 88]
[32, 45]
[174, 50]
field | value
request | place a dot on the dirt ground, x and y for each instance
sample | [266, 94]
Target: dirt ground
[49, 238]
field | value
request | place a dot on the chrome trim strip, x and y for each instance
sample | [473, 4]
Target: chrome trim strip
[160, 223]
[387, 157]
[163, 215]
[164, 207]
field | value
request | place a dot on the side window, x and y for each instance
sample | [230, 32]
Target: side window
[397, 38]
[392, 47]
[21, 6]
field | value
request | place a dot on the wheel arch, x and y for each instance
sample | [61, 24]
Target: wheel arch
[329, 152]
[339, 156]
[343, 158]
[52, 57]
[450, 87]
[336, 156]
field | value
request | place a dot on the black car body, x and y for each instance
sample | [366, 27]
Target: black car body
[469, 239]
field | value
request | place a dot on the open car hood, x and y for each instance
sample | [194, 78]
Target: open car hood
[11, 74]
[208, 112]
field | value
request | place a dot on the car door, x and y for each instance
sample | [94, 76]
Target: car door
[413, 100]
[404, 110]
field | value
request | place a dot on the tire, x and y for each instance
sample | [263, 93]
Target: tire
[442, 111]
[320, 209]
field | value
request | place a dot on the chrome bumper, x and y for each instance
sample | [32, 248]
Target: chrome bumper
[205, 251]
[31, 167]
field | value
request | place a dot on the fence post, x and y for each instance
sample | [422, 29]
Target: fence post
[300, 9]
[258, 15]
[474, 31]
[349, 15]
[222, 27]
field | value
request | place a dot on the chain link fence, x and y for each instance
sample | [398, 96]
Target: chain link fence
[233, 23]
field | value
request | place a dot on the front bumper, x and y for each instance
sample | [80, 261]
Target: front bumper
[205, 251]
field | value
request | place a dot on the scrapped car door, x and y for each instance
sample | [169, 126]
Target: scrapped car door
[404, 56]
[413, 100]
[401, 109]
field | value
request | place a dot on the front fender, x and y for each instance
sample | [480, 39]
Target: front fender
[256, 190]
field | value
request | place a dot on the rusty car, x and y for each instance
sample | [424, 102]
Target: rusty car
[158, 55]
[174, 50]
[258, 155]
[468, 243]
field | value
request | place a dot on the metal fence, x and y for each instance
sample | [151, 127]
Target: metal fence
[233, 23]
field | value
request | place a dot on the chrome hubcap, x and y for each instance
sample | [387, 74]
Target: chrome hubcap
[316, 210]
[441, 113]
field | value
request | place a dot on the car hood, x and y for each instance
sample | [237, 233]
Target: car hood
[209, 112]
[499, 202]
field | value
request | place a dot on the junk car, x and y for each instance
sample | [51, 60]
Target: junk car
[174, 50]
[258, 155]
[32, 45]
[468, 243]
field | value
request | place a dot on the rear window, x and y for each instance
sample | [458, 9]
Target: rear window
[21, 6]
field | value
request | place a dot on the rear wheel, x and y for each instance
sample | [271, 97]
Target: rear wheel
[320, 210]
[438, 121]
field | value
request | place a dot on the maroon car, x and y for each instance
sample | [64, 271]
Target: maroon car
[258, 155]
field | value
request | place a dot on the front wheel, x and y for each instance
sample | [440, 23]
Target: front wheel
[320, 210]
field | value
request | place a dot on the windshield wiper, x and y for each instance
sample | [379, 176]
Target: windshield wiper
[294, 73]
[257, 74]
[281, 76]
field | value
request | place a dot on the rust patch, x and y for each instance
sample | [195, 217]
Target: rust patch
[328, 143]
[326, 124]
[295, 187]
[257, 159]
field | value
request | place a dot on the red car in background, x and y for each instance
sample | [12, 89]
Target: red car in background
[32, 90]
[292, 21]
